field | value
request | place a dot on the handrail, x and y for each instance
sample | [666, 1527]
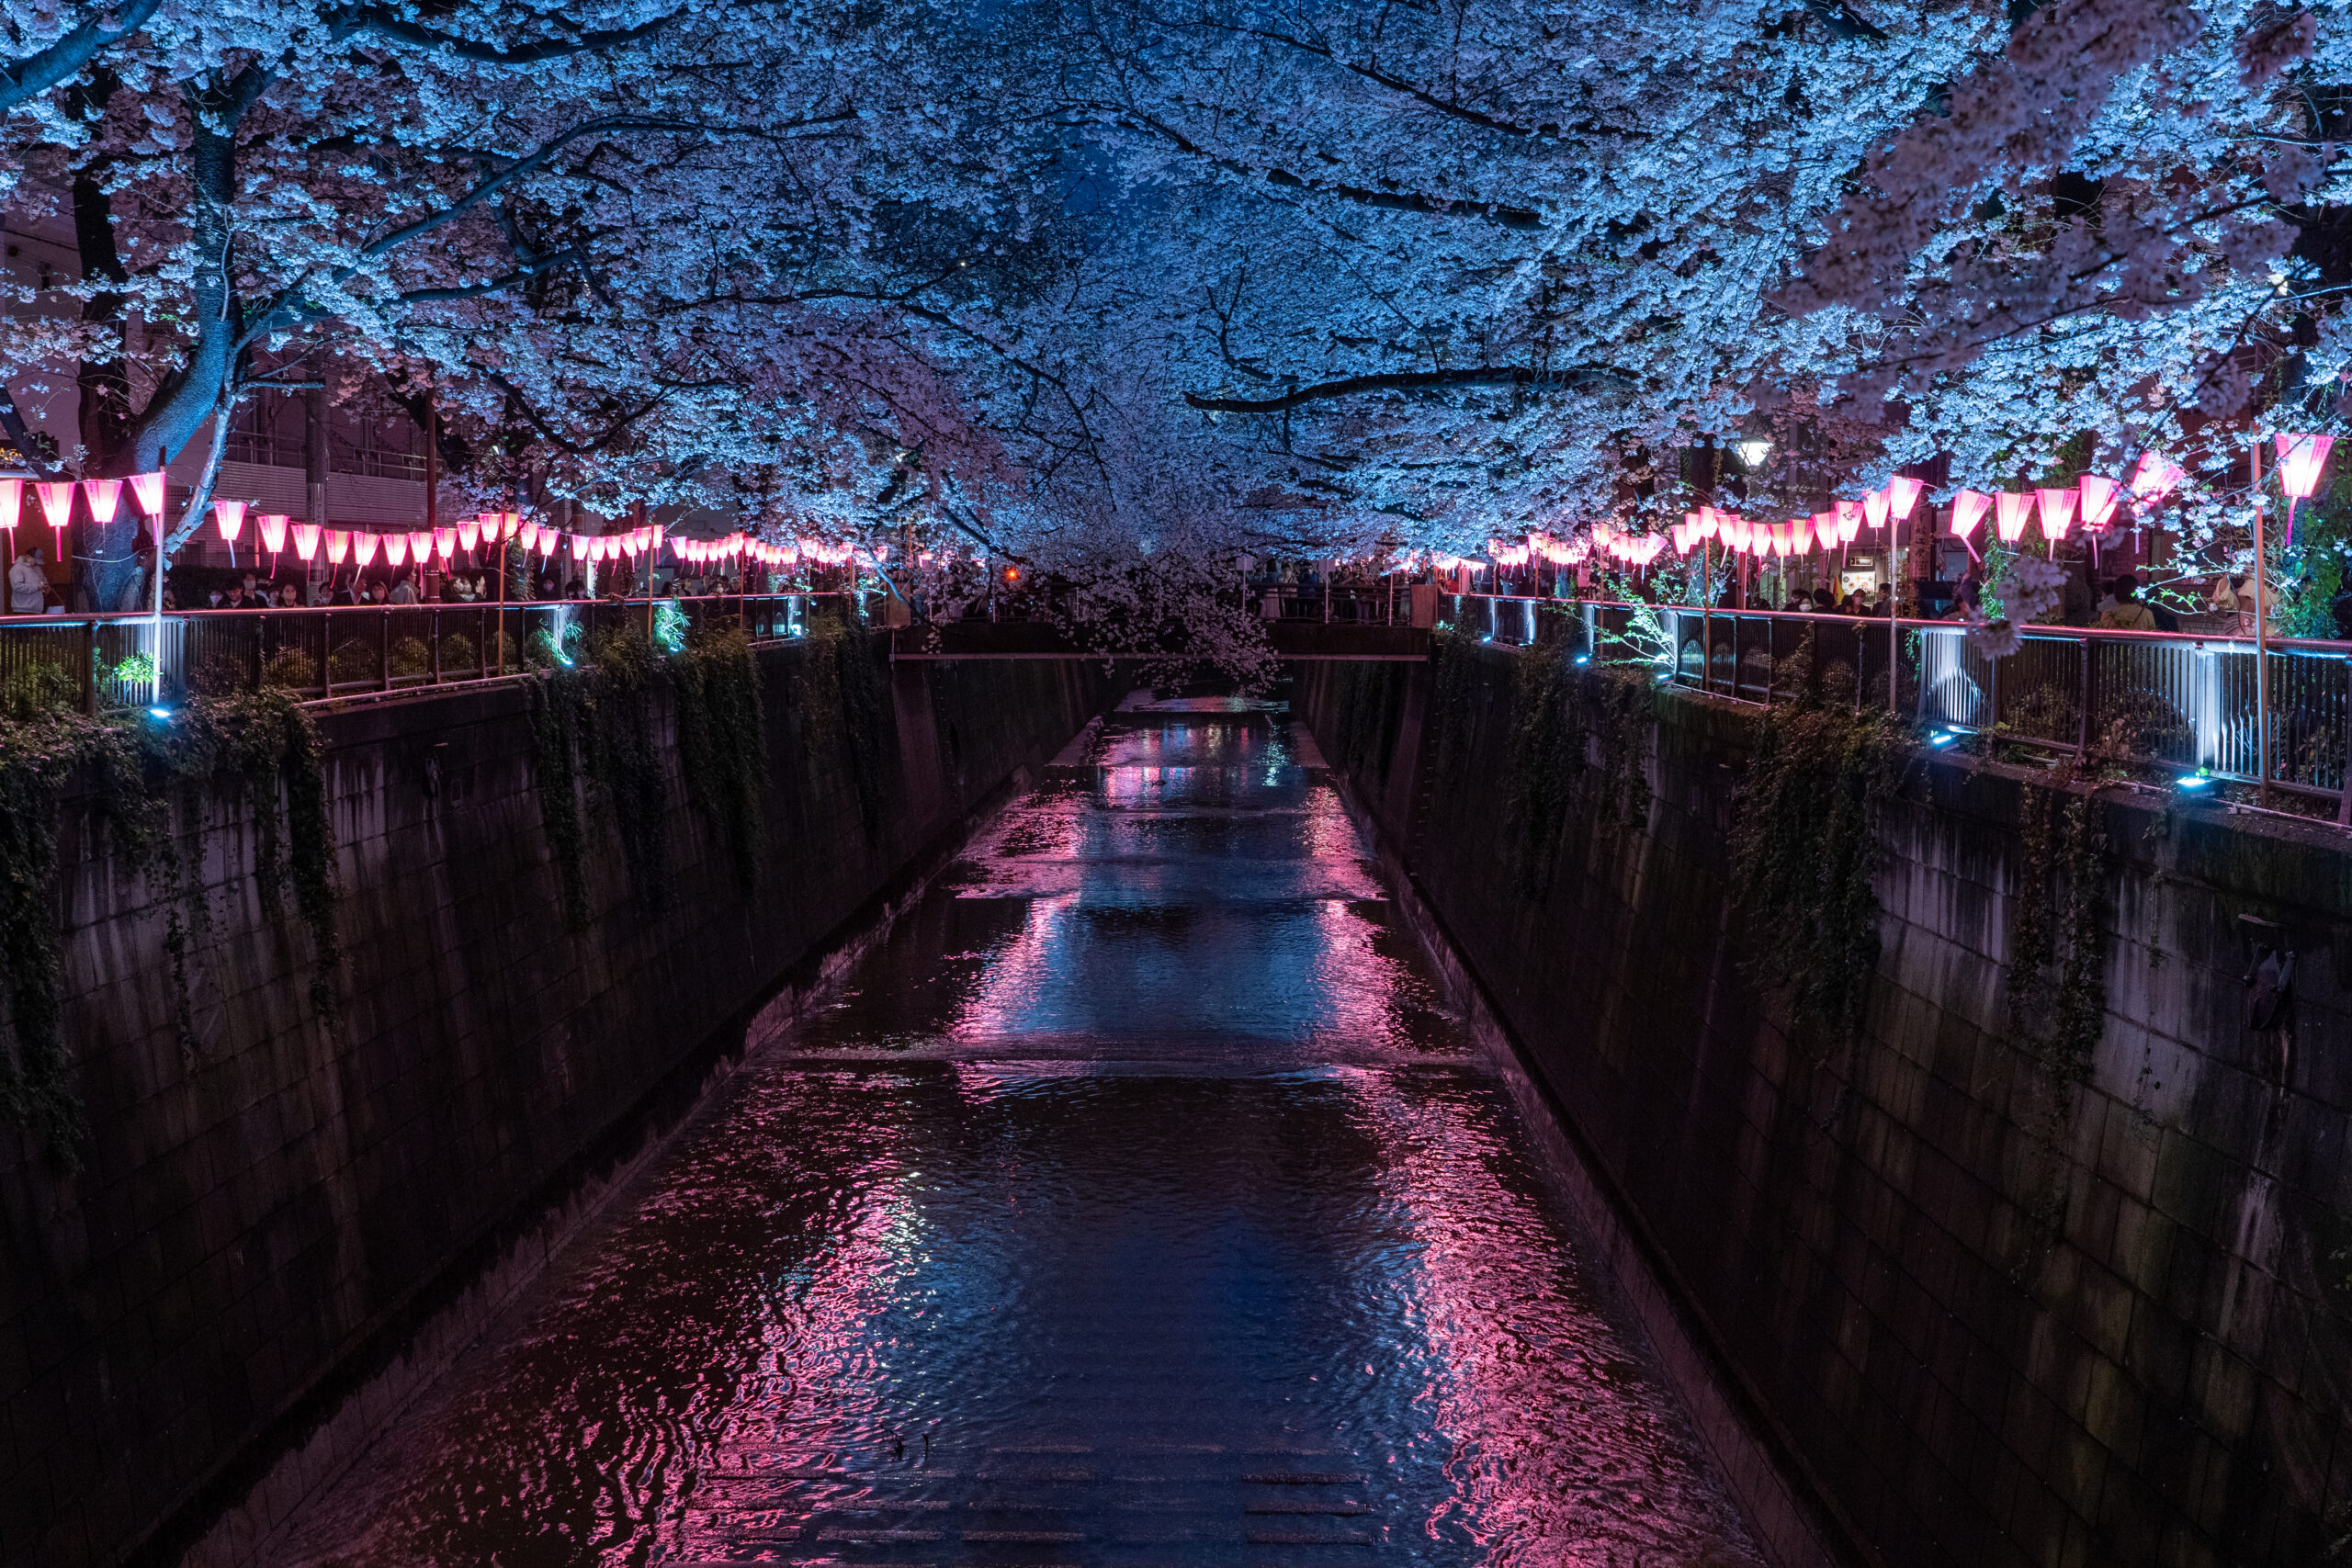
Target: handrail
[2204, 702]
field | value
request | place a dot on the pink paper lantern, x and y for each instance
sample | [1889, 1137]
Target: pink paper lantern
[2099, 495]
[273, 531]
[229, 516]
[1874, 508]
[147, 489]
[106, 499]
[395, 551]
[444, 543]
[363, 549]
[2057, 509]
[469, 532]
[420, 546]
[1968, 509]
[2011, 509]
[2301, 460]
[306, 540]
[56, 504]
[338, 544]
[2154, 479]
[1801, 537]
[12, 504]
[1903, 496]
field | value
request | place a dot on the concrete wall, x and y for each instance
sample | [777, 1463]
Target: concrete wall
[1986, 1332]
[230, 1294]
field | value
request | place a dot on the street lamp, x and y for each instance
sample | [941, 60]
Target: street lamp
[1752, 450]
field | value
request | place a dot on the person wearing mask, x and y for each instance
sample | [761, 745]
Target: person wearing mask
[213, 598]
[2128, 613]
[28, 584]
[252, 585]
[575, 589]
[403, 591]
[547, 588]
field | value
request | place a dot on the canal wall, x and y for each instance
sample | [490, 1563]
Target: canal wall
[284, 1223]
[1987, 1307]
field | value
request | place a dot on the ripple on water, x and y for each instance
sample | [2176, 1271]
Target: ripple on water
[1197, 1239]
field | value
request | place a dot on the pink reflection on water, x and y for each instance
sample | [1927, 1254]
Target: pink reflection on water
[1562, 1455]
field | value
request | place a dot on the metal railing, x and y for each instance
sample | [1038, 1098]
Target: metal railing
[1353, 604]
[107, 663]
[2182, 700]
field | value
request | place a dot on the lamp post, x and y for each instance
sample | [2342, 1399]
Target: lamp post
[2261, 638]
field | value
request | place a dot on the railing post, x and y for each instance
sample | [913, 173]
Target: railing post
[384, 649]
[326, 655]
[90, 668]
[2082, 720]
[432, 634]
[2344, 779]
[1771, 656]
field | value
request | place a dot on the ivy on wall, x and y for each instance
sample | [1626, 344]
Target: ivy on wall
[145, 777]
[723, 744]
[1580, 743]
[1805, 853]
[838, 694]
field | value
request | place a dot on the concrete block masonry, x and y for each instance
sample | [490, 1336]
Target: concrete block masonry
[280, 1228]
[1988, 1338]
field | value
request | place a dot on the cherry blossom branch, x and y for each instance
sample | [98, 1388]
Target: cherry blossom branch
[66, 56]
[1412, 381]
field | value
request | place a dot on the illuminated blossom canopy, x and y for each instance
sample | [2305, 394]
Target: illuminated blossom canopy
[1124, 291]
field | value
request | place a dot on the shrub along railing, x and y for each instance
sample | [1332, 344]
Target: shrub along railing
[109, 663]
[2188, 701]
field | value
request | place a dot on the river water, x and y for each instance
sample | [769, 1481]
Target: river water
[1137, 1202]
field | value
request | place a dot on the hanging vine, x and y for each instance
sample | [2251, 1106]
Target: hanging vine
[625, 763]
[1804, 855]
[138, 774]
[1566, 713]
[556, 704]
[722, 745]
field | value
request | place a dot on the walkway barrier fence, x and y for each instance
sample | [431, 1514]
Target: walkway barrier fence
[107, 663]
[2186, 701]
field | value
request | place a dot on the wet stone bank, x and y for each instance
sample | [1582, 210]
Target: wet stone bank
[1137, 1202]
[285, 1223]
[2005, 1292]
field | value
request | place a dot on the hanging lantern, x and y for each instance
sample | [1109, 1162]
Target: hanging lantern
[1968, 509]
[2098, 497]
[2301, 460]
[306, 540]
[1781, 539]
[395, 550]
[147, 489]
[56, 504]
[2012, 509]
[363, 549]
[1801, 537]
[444, 543]
[1874, 508]
[2057, 509]
[1849, 521]
[273, 531]
[106, 499]
[12, 504]
[338, 544]
[420, 546]
[229, 516]
[1903, 496]
[469, 535]
[2154, 479]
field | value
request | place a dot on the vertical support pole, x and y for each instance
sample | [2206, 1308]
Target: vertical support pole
[2344, 805]
[432, 481]
[435, 633]
[326, 652]
[314, 474]
[384, 648]
[2082, 720]
[1707, 616]
[2261, 633]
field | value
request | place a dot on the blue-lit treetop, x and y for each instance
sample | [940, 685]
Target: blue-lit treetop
[1112, 284]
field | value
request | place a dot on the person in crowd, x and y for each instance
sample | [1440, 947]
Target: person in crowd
[575, 589]
[1884, 604]
[28, 584]
[234, 597]
[252, 585]
[1823, 603]
[171, 595]
[403, 591]
[2107, 601]
[2127, 613]
[1968, 601]
[547, 588]
[213, 598]
[345, 594]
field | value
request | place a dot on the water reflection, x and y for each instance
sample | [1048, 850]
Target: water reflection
[1138, 1205]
